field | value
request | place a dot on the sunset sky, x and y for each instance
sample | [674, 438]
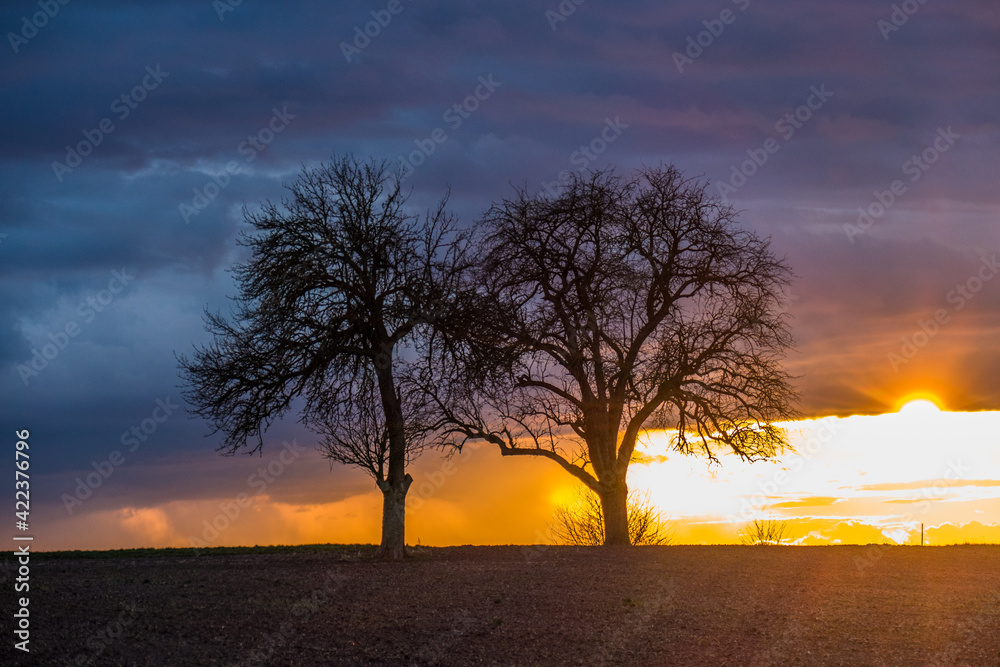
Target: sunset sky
[865, 142]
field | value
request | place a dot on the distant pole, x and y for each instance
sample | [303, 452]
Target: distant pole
[921, 534]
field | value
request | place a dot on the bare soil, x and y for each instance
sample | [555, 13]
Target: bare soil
[680, 605]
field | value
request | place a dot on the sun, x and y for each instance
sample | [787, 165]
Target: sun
[923, 405]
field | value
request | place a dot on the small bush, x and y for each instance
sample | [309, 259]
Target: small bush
[582, 523]
[763, 532]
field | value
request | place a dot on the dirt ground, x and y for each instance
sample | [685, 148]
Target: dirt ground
[679, 605]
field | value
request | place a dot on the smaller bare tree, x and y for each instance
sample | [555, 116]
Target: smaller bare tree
[582, 523]
[343, 280]
[764, 532]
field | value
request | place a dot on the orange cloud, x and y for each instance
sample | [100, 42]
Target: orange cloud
[928, 484]
[973, 532]
[908, 501]
[814, 501]
[823, 532]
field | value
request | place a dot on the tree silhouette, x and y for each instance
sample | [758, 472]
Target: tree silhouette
[582, 523]
[762, 532]
[618, 305]
[341, 279]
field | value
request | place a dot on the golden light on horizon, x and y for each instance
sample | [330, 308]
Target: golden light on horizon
[849, 479]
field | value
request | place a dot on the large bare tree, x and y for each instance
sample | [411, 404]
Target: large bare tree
[618, 305]
[342, 281]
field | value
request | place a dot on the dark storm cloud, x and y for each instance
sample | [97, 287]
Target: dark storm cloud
[223, 81]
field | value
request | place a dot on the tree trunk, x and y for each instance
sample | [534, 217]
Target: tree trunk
[393, 545]
[614, 504]
[397, 480]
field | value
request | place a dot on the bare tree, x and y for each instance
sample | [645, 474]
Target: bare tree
[341, 279]
[763, 532]
[582, 523]
[618, 305]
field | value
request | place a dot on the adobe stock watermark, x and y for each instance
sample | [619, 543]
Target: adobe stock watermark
[122, 107]
[979, 626]
[958, 298]
[787, 126]
[786, 298]
[696, 44]
[454, 116]
[130, 440]
[617, 646]
[37, 21]
[98, 643]
[259, 481]
[428, 488]
[546, 541]
[562, 12]
[899, 16]
[58, 341]
[750, 507]
[437, 648]
[249, 148]
[955, 471]
[363, 35]
[915, 168]
[298, 615]
[587, 153]
[223, 7]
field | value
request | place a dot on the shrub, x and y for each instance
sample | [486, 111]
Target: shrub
[764, 531]
[582, 523]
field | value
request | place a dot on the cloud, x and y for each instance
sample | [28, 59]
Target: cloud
[973, 532]
[928, 484]
[908, 501]
[818, 532]
[813, 501]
